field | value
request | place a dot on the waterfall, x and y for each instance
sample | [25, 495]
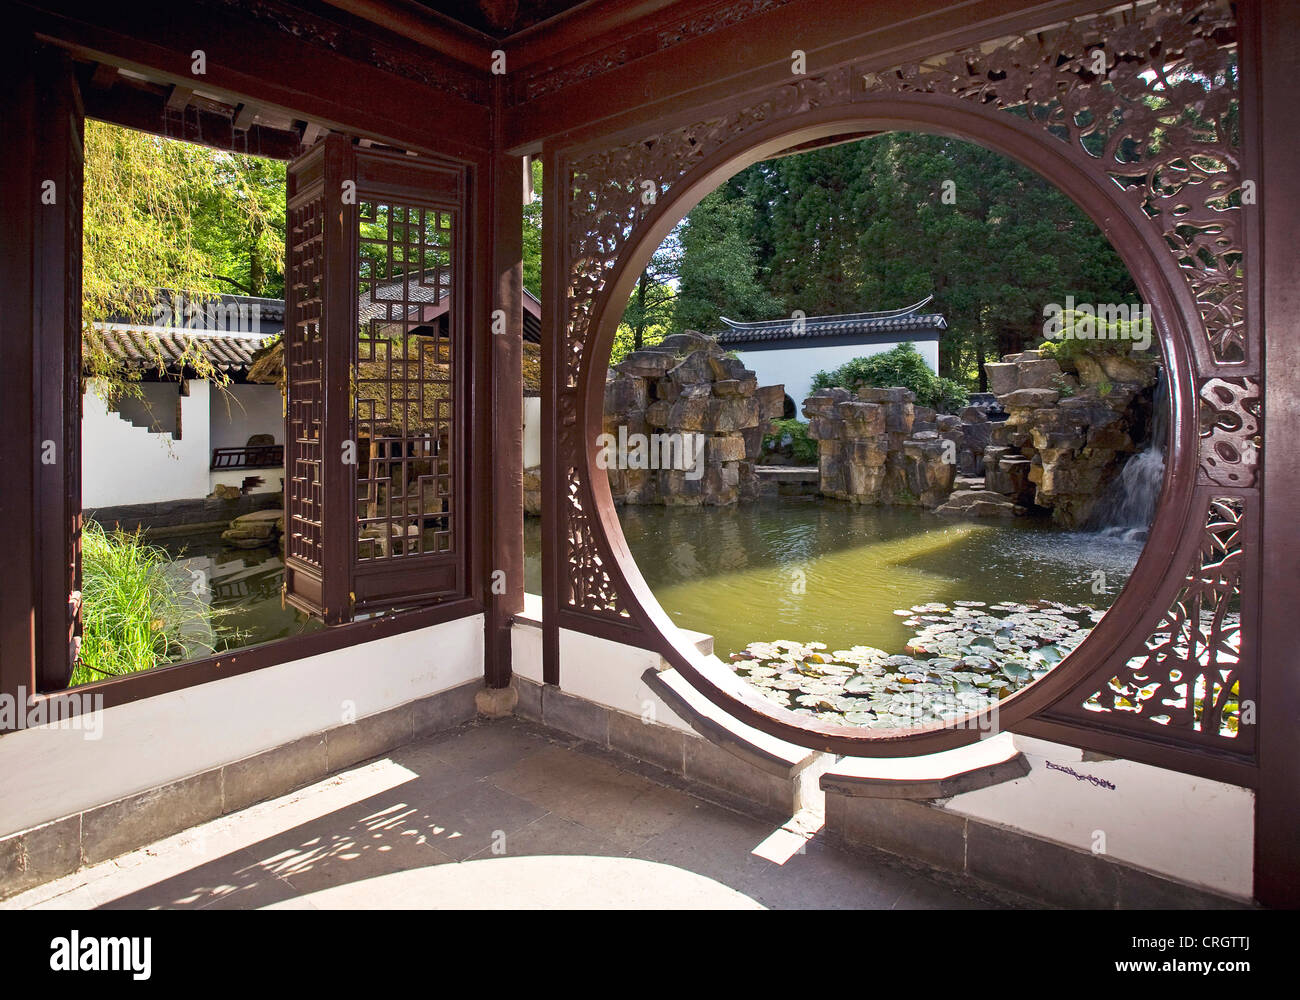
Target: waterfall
[1130, 502]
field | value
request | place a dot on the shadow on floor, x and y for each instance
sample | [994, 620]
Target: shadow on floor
[498, 792]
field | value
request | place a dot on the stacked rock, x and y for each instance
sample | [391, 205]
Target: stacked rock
[878, 446]
[686, 393]
[255, 530]
[1067, 434]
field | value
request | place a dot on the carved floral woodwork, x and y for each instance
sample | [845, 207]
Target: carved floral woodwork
[1146, 98]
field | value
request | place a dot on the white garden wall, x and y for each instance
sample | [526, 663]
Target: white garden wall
[795, 367]
[240, 411]
[125, 464]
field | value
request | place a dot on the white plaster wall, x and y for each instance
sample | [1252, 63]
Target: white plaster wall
[240, 411]
[795, 367]
[608, 673]
[47, 773]
[125, 464]
[532, 431]
[1190, 828]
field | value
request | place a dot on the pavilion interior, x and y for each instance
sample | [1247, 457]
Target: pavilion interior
[446, 739]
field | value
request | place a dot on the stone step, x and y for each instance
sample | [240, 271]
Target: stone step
[980, 503]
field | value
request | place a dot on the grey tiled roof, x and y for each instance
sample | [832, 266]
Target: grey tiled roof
[149, 347]
[893, 321]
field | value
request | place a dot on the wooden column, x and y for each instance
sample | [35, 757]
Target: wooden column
[56, 328]
[554, 319]
[505, 578]
[1271, 56]
[19, 205]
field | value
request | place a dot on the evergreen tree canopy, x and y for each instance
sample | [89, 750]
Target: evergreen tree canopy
[885, 221]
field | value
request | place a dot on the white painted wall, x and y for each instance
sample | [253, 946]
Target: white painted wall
[125, 464]
[532, 431]
[47, 773]
[608, 673]
[795, 367]
[1192, 829]
[272, 479]
[154, 409]
[240, 411]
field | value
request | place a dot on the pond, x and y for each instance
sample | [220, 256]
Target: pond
[807, 569]
[242, 583]
[879, 616]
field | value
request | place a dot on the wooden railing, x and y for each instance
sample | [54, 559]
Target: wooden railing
[263, 456]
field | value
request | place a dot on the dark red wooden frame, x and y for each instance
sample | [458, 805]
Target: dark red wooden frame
[356, 89]
[838, 108]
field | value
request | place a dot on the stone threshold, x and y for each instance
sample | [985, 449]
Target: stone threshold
[60, 847]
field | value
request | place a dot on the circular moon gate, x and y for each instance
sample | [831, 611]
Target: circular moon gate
[1155, 269]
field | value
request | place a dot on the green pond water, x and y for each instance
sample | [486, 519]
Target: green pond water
[810, 570]
[244, 584]
[800, 569]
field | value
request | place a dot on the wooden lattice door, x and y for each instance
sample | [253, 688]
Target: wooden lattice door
[375, 376]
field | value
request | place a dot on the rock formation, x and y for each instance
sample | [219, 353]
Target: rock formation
[1067, 433]
[878, 446]
[255, 530]
[687, 387]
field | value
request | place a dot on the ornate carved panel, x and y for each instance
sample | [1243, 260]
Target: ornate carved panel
[1188, 677]
[592, 590]
[1231, 430]
[1150, 95]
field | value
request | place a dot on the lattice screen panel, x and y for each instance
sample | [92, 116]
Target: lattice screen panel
[403, 382]
[303, 359]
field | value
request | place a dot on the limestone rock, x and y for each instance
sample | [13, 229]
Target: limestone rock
[1003, 378]
[1032, 398]
[703, 414]
[646, 364]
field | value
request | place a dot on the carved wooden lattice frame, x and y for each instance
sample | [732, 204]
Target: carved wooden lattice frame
[1175, 182]
[355, 363]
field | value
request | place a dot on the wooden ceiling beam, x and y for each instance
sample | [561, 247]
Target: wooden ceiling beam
[350, 89]
[144, 111]
[424, 26]
[648, 80]
[244, 114]
[104, 76]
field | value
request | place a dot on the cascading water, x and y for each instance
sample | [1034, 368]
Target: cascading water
[1130, 502]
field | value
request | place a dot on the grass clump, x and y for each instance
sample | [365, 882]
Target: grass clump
[138, 611]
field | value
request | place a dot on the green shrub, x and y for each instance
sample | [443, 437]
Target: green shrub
[1118, 337]
[800, 446]
[137, 612]
[900, 366]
